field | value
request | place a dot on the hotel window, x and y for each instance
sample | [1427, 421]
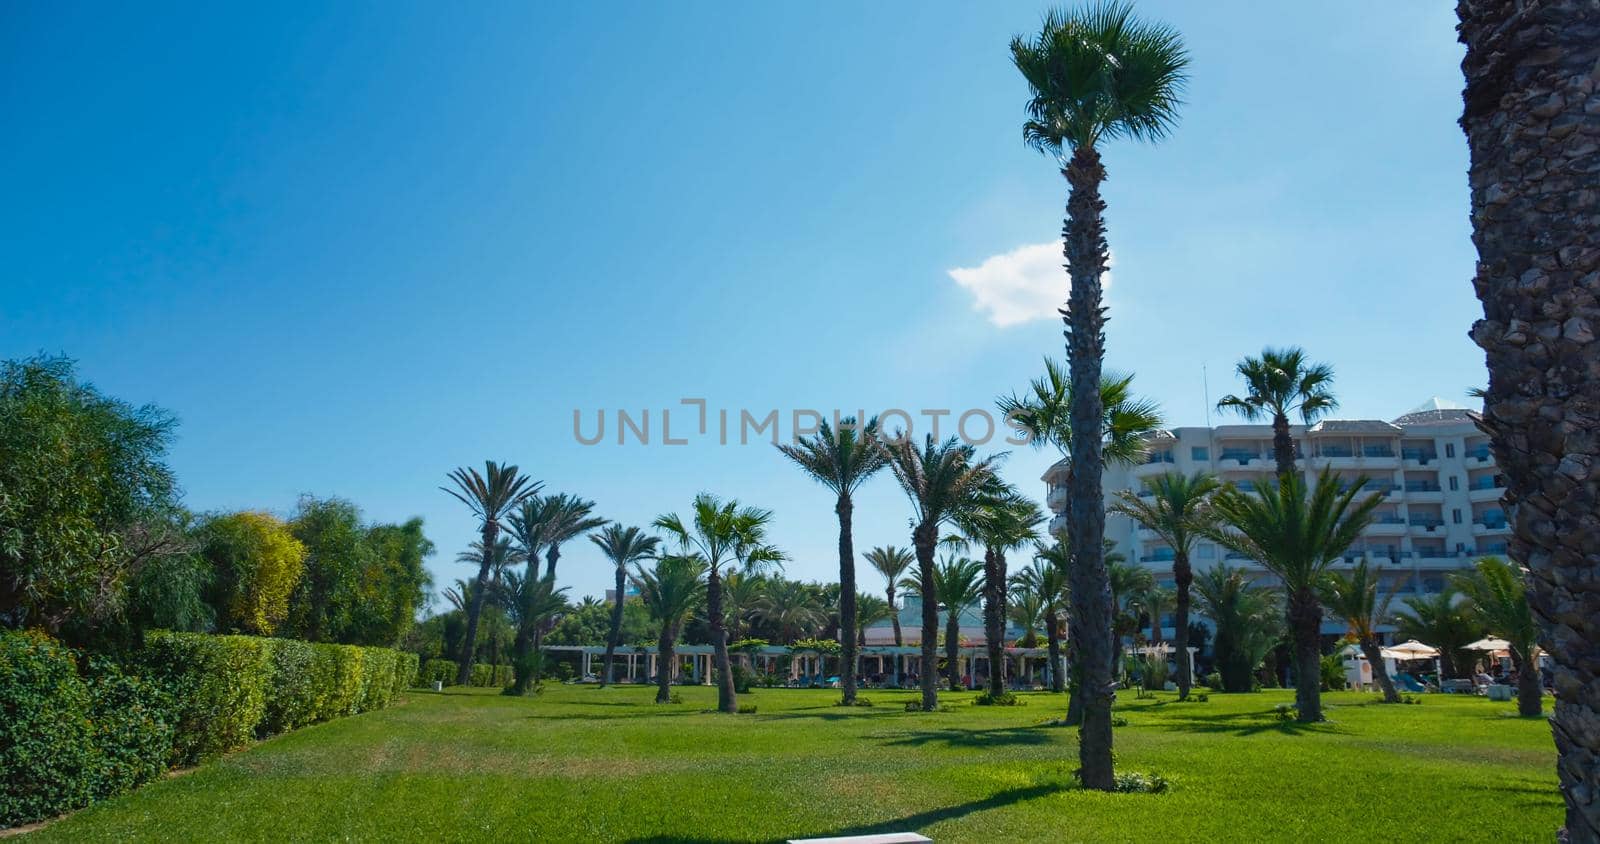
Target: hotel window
[1199, 453]
[1449, 449]
[1455, 515]
[1454, 484]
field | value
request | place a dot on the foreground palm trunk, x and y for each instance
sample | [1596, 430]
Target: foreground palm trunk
[666, 657]
[847, 601]
[994, 617]
[1374, 655]
[1305, 625]
[1529, 120]
[727, 701]
[1052, 634]
[616, 627]
[491, 533]
[1530, 692]
[923, 539]
[1085, 249]
[1183, 578]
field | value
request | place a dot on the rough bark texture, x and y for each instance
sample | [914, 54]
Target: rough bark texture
[847, 601]
[1305, 626]
[491, 533]
[924, 539]
[899, 642]
[1532, 121]
[952, 641]
[1182, 577]
[616, 626]
[1374, 655]
[1052, 635]
[1085, 249]
[1530, 692]
[665, 657]
[727, 701]
[550, 559]
[994, 617]
[1282, 445]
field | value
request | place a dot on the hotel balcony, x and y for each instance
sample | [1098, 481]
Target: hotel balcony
[1387, 526]
[1480, 492]
[1234, 458]
[1416, 458]
[1158, 463]
[1490, 527]
[1427, 526]
[1424, 492]
[1056, 500]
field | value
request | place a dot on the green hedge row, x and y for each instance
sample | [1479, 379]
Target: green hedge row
[74, 729]
[444, 671]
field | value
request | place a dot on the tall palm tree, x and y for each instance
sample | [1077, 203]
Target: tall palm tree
[1528, 70]
[1001, 520]
[1355, 600]
[891, 562]
[1279, 383]
[1296, 533]
[1047, 578]
[671, 590]
[841, 461]
[534, 605]
[490, 496]
[1176, 511]
[531, 525]
[724, 535]
[1443, 620]
[1248, 620]
[623, 546]
[958, 584]
[1499, 596]
[941, 479]
[791, 607]
[1095, 74]
[492, 625]
[566, 517]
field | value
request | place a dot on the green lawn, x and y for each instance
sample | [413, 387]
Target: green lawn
[582, 763]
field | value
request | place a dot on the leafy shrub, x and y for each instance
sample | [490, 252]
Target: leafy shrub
[1333, 676]
[218, 686]
[1002, 699]
[440, 670]
[129, 728]
[1410, 699]
[1153, 672]
[1118, 721]
[407, 672]
[675, 698]
[1285, 711]
[301, 680]
[1133, 782]
[747, 709]
[743, 678]
[1213, 681]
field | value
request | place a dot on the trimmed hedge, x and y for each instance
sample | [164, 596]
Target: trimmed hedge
[75, 729]
[68, 738]
[444, 671]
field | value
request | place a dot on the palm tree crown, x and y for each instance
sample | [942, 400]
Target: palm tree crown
[1097, 73]
[1355, 599]
[494, 493]
[1280, 383]
[566, 517]
[625, 545]
[940, 479]
[1293, 532]
[1044, 414]
[840, 460]
[891, 562]
[672, 589]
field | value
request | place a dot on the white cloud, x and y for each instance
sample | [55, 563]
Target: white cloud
[1023, 285]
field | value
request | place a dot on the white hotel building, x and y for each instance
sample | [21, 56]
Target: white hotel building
[1441, 510]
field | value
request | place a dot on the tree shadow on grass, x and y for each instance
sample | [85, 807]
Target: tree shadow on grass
[908, 823]
[608, 716]
[1245, 724]
[966, 738]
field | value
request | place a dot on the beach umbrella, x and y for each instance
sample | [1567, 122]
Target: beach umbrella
[1490, 644]
[1412, 649]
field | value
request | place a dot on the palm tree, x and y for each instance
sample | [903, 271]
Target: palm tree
[534, 604]
[1095, 74]
[1499, 596]
[791, 607]
[531, 526]
[1044, 412]
[1047, 578]
[1248, 620]
[1443, 621]
[1528, 70]
[1002, 520]
[490, 496]
[957, 584]
[491, 625]
[870, 609]
[841, 461]
[1153, 603]
[1176, 511]
[724, 535]
[891, 562]
[623, 547]
[671, 590]
[567, 517]
[1355, 600]
[740, 594]
[941, 479]
[1279, 383]
[1296, 534]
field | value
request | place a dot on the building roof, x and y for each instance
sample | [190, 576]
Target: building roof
[1354, 426]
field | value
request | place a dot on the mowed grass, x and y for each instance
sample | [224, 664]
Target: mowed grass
[583, 763]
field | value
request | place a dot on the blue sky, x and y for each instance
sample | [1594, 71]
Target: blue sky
[353, 246]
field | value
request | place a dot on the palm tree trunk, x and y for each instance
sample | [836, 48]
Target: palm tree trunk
[1374, 655]
[1305, 622]
[1282, 445]
[1052, 635]
[727, 701]
[1529, 71]
[664, 658]
[536, 657]
[491, 532]
[899, 642]
[550, 559]
[1182, 577]
[924, 539]
[522, 660]
[847, 601]
[1530, 692]
[616, 626]
[1084, 238]
[994, 609]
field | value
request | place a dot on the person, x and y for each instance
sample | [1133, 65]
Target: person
[1482, 679]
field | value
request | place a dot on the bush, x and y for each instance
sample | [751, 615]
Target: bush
[1132, 782]
[1213, 681]
[218, 686]
[747, 709]
[437, 670]
[1002, 699]
[1285, 711]
[69, 739]
[1333, 676]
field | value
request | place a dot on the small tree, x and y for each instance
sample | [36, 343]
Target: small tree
[672, 589]
[1355, 599]
[1499, 596]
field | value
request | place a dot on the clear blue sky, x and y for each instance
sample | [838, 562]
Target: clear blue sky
[353, 245]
